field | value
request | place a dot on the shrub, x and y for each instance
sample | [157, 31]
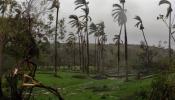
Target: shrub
[163, 87]
[78, 76]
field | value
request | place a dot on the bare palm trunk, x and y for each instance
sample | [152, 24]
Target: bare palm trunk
[95, 53]
[56, 54]
[118, 52]
[79, 46]
[99, 59]
[74, 55]
[87, 40]
[143, 33]
[126, 48]
[98, 56]
[126, 52]
[88, 55]
[147, 47]
[170, 55]
[82, 49]
[102, 57]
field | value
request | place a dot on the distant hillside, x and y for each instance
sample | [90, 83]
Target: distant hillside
[66, 55]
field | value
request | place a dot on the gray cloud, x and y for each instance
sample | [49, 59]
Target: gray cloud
[100, 10]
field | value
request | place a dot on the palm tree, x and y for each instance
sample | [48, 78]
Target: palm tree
[60, 37]
[83, 4]
[169, 13]
[75, 22]
[94, 30]
[120, 16]
[117, 39]
[71, 41]
[98, 31]
[103, 41]
[56, 4]
[141, 27]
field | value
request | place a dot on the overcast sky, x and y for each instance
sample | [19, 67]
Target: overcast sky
[148, 10]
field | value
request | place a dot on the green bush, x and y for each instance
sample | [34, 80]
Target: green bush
[78, 76]
[141, 94]
[163, 87]
[99, 88]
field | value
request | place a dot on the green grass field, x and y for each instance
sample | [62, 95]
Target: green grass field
[85, 88]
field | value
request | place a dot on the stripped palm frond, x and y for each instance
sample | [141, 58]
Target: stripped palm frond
[139, 23]
[73, 17]
[118, 13]
[93, 28]
[55, 4]
[169, 9]
[172, 32]
[164, 2]
[116, 37]
[118, 6]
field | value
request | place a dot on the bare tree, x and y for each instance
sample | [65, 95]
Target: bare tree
[141, 27]
[169, 13]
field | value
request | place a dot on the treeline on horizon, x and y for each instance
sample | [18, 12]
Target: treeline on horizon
[68, 56]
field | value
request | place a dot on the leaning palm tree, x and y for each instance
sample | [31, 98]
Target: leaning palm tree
[71, 41]
[76, 23]
[118, 13]
[117, 39]
[139, 25]
[56, 4]
[100, 39]
[94, 30]
[83, 4]
[120, 16]
[169, 13]
[103, 41]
